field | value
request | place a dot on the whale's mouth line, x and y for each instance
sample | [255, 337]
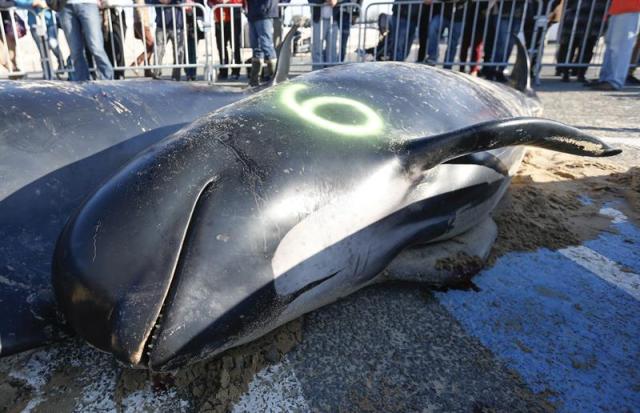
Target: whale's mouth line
[154, 332]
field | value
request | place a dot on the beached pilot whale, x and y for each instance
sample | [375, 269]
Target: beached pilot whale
[292, 198]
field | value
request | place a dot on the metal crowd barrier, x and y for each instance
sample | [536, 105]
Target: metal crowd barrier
[184, 25]
[579, 36]
[472, 27]
[472, 35]
[325, 42]
[14, 37]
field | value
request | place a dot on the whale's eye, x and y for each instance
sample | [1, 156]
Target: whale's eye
[348, 116]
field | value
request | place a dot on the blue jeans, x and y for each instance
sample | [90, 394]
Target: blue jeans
[324, 38]
[620, 40]
[83, 28]
[261, 38]
[436, 26]
[402, 32]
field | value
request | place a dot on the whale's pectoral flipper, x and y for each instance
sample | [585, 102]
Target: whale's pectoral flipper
[425, 153]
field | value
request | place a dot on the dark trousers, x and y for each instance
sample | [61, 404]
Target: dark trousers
[423, 33]
[224, 31]
[114, 40]
[571, 54]
[469, 35]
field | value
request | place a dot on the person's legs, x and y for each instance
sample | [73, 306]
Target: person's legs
[237, 27]
[47, 69]
[455, 30]
[635, 60]
[587, 55]
[54, 45]
[73, 32]
[398, 35]
[434, 39]
[161, 42]
[325, 32]
[192, 56]
[91, 26]
[177, 38]
[265, 42]
[316, 45]
[620, 39]
[258, 54]
[222, 52]
[423, 33]
[345, 31]
[331, 39]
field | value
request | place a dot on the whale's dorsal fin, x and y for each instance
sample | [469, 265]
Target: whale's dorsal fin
[521, 73]
[424, 153]
[284, 56]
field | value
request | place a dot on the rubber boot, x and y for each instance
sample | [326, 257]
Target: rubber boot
[256, 65]
[269, 69]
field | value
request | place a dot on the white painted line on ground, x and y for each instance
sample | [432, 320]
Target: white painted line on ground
[274, 389]
[604, 268]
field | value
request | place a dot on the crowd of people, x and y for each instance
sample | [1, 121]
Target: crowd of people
[483, 28]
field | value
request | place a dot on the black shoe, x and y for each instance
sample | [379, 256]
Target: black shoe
[591, 83]
[222, 75]
[565, 77]
[501, 78]
[235, 76]
[582, 79]
[605, 86]
[632, 80]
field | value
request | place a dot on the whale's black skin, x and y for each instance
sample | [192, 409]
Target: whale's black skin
[272, 207]
[58, 142]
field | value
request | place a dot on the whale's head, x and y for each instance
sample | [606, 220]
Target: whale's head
[275, 205]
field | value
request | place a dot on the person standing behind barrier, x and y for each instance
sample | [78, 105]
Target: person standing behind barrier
[449, 16]
[195, 33]
[142, 31]
[506, 17]
[260, 14]
[403, 26]
[169, 28]
[228, 27]
[114, 27]
[8, 42]
[82, 27]
[624, 24]
[46, 39]
[423, 33]
[325, 18]
[473, 35]
[583, 19]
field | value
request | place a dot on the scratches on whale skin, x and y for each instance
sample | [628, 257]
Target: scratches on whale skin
[95, 241]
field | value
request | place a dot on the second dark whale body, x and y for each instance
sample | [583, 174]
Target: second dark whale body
[288, 200]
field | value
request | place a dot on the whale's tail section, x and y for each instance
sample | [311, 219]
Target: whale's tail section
[425, 153]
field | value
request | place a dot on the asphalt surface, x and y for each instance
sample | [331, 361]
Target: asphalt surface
[543, 331]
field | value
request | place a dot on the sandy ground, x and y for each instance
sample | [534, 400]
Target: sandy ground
[345, 360]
